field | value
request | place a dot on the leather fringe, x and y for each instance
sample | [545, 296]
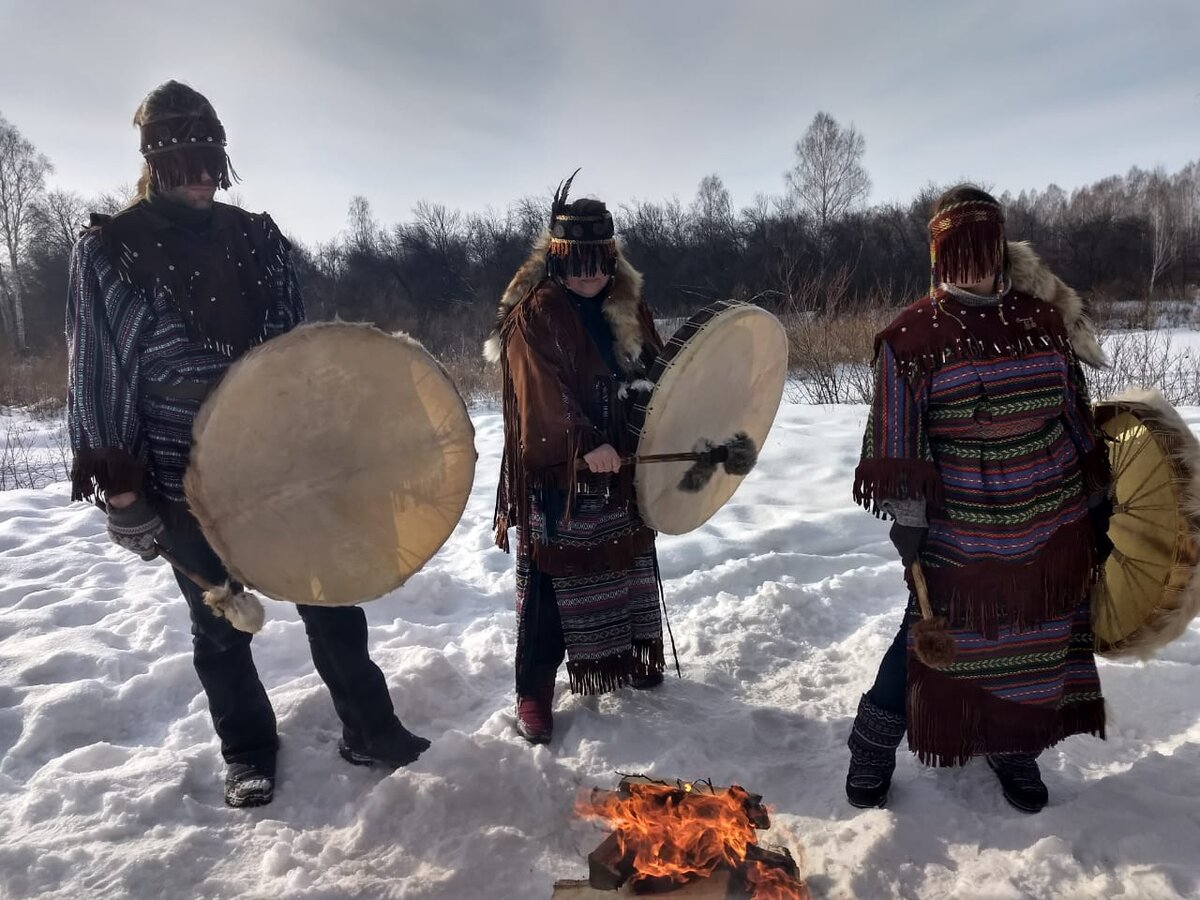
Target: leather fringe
[107, 469]
[987, 596]
[951, 720]
[610, 673]
[877, 480]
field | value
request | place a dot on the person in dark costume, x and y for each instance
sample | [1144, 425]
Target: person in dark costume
[982, 449]
[164, 297]
[574, 341]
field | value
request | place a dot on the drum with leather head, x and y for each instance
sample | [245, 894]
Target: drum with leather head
[721, 374]
[330, 464]
[1149, 592]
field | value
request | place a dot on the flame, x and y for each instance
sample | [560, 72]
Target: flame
[685, 833]
[770, 883]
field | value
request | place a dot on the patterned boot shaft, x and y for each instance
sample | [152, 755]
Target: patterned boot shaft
[873, 741]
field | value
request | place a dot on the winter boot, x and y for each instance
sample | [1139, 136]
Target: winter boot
[248, 785]
[644, 681]
[535, 720]
[1021, 781]
[392, 749]
[873, 741]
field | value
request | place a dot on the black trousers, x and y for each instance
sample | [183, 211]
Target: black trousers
[891, 681]
[237, 701]
[544, 645]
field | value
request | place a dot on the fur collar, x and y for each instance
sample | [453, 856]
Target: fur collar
[1031, 276]
[620, 307]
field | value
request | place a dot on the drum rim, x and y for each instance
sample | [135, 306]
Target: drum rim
[666, 360]
[298, 335]
[1164, 623]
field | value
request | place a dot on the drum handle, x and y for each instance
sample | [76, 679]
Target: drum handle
[581, 464]
[922, 589]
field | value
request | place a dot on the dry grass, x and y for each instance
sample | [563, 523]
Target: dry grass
[478, 381]
[37, 384]
[32, 457]
[829, 357]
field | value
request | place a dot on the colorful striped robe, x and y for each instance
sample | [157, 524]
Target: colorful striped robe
[981, 411]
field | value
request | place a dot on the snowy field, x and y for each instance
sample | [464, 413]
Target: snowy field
[781, 607]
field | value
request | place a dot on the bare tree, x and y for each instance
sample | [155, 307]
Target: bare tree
[364, 230]
[1163, 222]
[59, 217]
[22, 181]
[712, 212]
[828, 178]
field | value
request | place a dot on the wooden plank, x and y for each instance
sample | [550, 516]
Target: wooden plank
[720, 886]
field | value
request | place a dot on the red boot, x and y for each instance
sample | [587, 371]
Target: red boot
[535, 720]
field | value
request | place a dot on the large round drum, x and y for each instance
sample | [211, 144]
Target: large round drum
[1148, 593]
[330, 464]
[721, 373]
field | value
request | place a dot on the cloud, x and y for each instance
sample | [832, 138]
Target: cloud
[475, 104]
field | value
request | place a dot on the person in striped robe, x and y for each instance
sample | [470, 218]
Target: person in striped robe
[982, 449]
[574, 340]
[163, 298]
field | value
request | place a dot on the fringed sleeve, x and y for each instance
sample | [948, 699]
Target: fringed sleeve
[103, 323]
[553, 429]
[1081, 426]
[896, 462]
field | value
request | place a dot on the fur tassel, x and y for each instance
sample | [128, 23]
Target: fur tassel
[934, 643]
[243, 609]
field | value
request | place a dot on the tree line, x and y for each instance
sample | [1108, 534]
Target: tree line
[816, 246]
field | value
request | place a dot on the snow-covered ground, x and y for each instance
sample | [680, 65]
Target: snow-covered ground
[781, 606]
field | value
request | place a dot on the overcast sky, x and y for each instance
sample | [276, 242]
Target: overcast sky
[474, 104]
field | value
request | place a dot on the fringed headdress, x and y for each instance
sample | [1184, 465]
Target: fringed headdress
[967, 243]
[582, 241]
[179, 147]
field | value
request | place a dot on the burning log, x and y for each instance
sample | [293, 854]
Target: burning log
[773, 858]
[756, 811]
[683, 840]
[610, 865]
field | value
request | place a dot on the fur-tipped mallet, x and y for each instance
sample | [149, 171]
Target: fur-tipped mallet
[737, 455]
[243, 609]
[934, 643]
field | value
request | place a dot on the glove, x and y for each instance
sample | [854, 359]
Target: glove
[135, 527]
[1100, 510]
[907, 539]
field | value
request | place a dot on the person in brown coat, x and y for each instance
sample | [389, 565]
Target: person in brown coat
[574, 341]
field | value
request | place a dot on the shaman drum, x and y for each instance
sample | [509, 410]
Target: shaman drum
[330, 464]
[721, 373]
[1148, 593]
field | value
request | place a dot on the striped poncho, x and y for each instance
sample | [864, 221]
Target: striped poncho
[126, 340]
[981, 415]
